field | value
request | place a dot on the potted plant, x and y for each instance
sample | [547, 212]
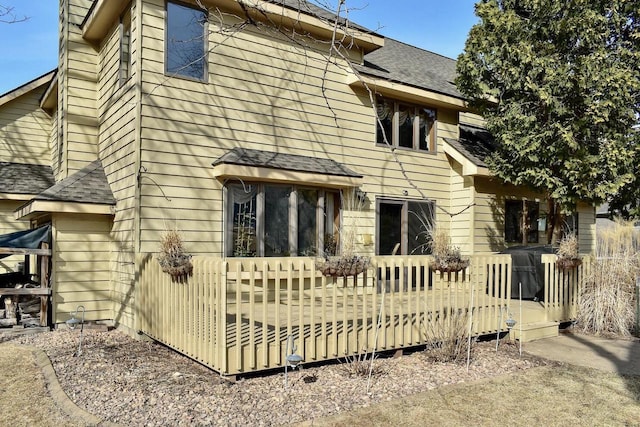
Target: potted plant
[347, 263]
[172, 258]
[446, 257]
[568, 255]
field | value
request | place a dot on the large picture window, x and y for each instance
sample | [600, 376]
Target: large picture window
[406, 126]
[520, 220]
[405, 224]
[281, 220]
[185, 41]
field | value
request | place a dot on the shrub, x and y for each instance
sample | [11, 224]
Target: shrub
[447, 335]
[359, 365]
[607, 298]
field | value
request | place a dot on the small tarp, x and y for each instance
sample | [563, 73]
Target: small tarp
[26, 239]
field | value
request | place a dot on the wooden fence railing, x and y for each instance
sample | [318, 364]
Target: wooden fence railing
[562, 288]
[235, 315]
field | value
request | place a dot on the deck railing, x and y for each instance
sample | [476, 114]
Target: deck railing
[562, 288]
[235, 315]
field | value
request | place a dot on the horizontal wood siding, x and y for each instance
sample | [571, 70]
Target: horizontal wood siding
[586, 229]
[24, 130]
[490, 198]
[461, 210]
[262, 92]
[77, 98]
[8, 224]
[82, 266]
[116, 148]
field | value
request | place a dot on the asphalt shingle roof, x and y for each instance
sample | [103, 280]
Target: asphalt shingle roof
[19, 178]
[402, 63]
[474, 143]
[88, 185]
[293, 162]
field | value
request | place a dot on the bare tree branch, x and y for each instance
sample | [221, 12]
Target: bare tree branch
[8, 16]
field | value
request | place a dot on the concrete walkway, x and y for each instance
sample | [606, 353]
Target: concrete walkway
[612, 355]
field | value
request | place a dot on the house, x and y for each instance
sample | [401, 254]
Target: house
[238, 127]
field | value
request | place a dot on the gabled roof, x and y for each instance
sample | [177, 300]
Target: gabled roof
[27, 87]
[410, 65]
[20, 178]
[88, 185]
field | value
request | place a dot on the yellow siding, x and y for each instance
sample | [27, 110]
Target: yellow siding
[587, 228]
[82, 266]
[490, 199]
[262, 93]
[8, 224]
[469, 118]
[461, 210]
[116, 148]
[77, 90]
[24, 130]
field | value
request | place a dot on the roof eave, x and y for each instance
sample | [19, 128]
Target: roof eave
[468, 167]
[100, 18]
[36, 208]
[406, 93]
[27, 87]
[225, 171]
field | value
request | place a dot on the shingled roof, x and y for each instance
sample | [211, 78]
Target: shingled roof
[19, 178]
[88, 185]
[474, 143]
[292, 162]
[402, 63]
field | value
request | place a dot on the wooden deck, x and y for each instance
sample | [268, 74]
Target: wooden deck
[235, 316]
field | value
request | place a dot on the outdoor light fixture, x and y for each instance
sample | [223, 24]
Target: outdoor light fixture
[294, 360]
[73, 322]
[511, 322]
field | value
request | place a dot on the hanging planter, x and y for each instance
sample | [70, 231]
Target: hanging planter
[568, 256]
[342, 266]
[566, 264]
[449, 264]
[172, 258]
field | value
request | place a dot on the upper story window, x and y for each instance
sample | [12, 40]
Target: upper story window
[404, 125]
[281, 220]
[185, 41]
[521, 221]
[125, 46]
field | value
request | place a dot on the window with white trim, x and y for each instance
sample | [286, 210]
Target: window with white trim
[404, 125]
[274, 220]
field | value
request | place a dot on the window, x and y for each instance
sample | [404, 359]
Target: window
[406, 126]
[404, 222]
[185, 41]
[521, 215]
[281, 220]
[125, 46]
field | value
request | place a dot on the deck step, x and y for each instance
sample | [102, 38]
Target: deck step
[535, 331]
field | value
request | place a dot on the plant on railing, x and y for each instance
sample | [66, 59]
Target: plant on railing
[348, 263]
[446, 257]
[568, 255]
[172, 258]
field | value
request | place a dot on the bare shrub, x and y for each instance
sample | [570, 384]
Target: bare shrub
[607, 298]
[172, 258]
[447, 335]
[359, 365]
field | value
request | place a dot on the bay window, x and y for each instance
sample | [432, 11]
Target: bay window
[280, 220]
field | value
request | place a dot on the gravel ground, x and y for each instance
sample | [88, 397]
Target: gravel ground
[132, 382]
